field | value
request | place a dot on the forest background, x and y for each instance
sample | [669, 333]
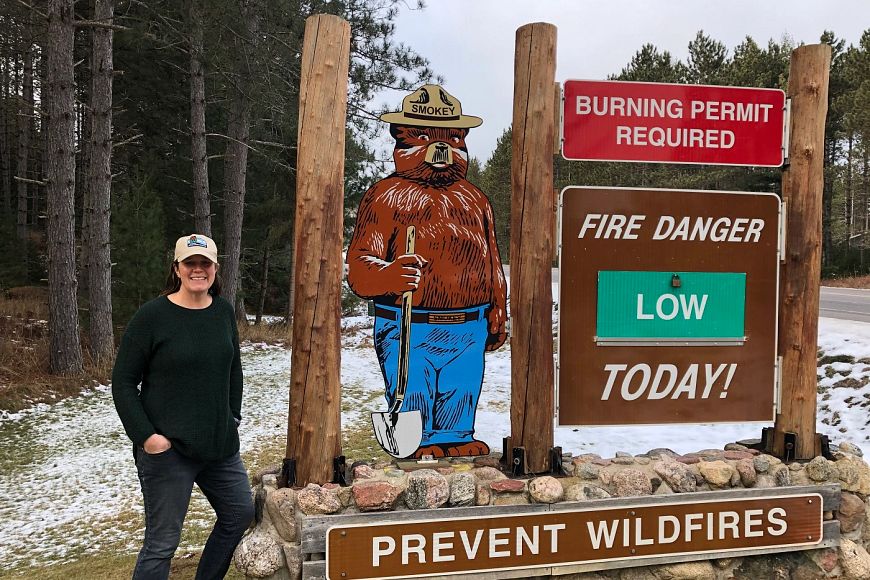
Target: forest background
[124, 124]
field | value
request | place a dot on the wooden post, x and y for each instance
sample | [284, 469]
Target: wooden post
[532, 245]
[314, 423]
[802, 184]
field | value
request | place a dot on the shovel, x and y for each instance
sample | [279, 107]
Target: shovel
[400, 432]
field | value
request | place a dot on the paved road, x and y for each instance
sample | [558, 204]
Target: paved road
[842, 303]
[845, 303]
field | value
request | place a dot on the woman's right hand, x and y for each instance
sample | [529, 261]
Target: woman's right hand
[156, 444]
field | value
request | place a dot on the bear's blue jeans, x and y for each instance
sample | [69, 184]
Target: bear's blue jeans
[167, 480]
[445, 372]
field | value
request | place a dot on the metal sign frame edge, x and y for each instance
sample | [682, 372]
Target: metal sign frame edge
[557, 359]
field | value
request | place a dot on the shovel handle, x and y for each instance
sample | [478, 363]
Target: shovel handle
[405, 330]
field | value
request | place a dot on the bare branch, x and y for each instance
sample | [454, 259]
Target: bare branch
[42, 14]
[228, 138]
[134, 139]
[33, 181]
[273, 144]
[98, 24]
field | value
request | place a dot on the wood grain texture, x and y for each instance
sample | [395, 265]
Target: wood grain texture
[802, 184]
[531, 245]
[314, 528]
[314, 423]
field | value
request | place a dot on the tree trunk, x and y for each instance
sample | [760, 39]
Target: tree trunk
[65, 352]
[201, 201]
[25, 127]
[849, 204]
[264, 279]
[236, 162]
[100, 186]
[5, 179]
[82, 193]
[865, 207]
[829, 156]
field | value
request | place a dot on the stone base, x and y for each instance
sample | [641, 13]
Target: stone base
[272, 549]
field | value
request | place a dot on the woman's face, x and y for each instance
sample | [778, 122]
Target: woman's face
[196, 274]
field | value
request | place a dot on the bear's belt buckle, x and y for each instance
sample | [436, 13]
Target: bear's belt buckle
[446, 317]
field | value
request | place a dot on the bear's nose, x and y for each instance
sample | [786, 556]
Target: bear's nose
[439, 153]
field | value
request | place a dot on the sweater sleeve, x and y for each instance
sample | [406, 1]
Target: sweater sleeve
[236, 378]
[130, 365]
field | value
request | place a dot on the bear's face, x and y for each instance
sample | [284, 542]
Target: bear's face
[433, 156]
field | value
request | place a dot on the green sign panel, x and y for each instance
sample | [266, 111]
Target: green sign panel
[671, 305]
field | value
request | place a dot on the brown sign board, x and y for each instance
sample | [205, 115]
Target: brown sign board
[667, 306]
[628, 532]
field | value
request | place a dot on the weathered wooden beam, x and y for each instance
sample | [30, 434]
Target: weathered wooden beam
[802, 184]
[314, 423]
[531, 247]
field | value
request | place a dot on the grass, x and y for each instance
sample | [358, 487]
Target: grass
[116, 561]
[24, 372]
[273, 333]
[113, 567]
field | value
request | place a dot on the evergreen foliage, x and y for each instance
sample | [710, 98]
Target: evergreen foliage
[139, 247]
[846, 217]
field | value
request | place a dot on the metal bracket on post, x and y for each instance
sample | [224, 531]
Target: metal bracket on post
[789, 446]
[259, 503]
[825, 447]
[506, 453]
[287, 477]
[339, 471]
[786, 134]
[518, 465]
[783, 229]
[556, 461]
[765, 444]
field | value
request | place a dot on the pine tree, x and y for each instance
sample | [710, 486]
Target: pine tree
[140, 249]
[65, 352]
[102, 341]
[496, 184]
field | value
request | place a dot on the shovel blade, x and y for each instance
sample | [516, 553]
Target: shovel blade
[400, 434]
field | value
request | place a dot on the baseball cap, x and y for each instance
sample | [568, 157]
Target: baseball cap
[195, 244]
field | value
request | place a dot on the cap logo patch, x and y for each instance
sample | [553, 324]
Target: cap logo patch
[195, 242]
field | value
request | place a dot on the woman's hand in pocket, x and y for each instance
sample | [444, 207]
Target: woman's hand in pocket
[156, 444]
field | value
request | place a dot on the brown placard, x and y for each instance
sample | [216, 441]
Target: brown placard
[583, 371]
[630, 532]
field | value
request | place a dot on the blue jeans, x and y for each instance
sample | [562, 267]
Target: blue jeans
[445, 372]
[167, 480]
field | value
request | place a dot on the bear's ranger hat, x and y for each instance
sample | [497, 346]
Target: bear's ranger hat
[432, 106]
[195, 244]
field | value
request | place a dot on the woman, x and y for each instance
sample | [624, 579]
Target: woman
[183, 347]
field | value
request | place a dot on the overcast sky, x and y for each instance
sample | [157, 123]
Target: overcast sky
[471, 42]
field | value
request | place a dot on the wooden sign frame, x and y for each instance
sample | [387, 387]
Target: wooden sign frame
[317, 530]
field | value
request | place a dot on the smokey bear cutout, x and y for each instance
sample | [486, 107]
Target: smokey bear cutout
[424, 250]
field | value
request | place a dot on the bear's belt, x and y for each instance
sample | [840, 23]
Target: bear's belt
[431, 317]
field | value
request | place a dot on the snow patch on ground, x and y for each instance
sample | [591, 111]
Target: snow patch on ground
[68, 466]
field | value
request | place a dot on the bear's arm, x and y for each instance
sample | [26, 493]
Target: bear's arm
[497, 313]
[367, 255]
[499, 285]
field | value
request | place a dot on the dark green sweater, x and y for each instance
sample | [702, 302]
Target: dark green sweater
[190, 368]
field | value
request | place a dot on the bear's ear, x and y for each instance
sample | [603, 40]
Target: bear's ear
[397, 131]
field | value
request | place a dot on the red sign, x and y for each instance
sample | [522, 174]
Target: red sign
[666, 123]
